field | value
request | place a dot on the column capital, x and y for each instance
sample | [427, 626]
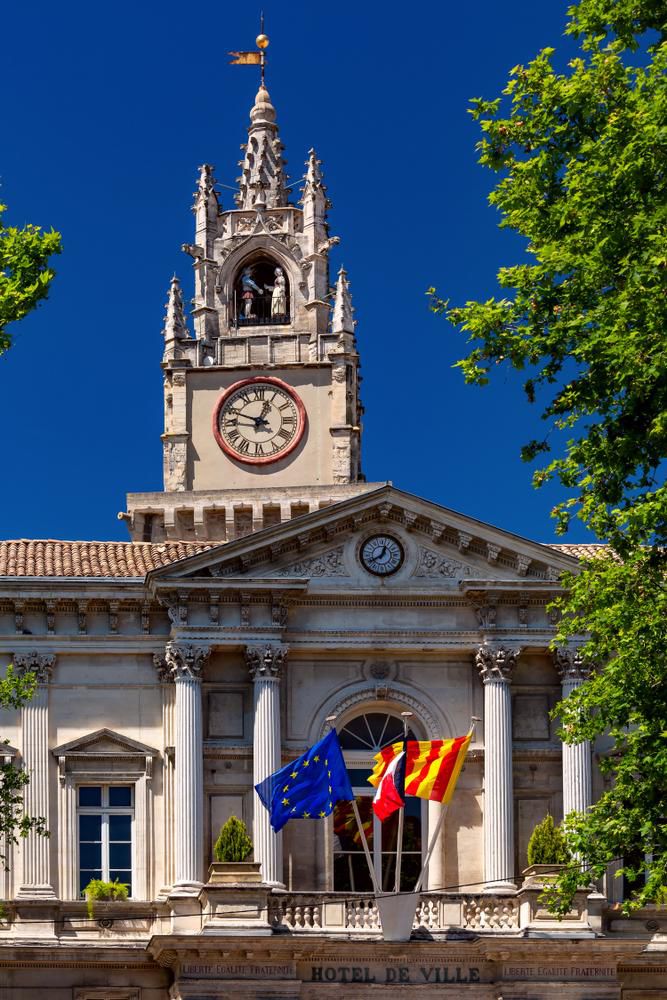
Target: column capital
[570, 665]
[39, 664]
[266, 662]
[496, 663]
[183, 660]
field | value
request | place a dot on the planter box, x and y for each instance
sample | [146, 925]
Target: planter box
[234, 873]
[535, 875]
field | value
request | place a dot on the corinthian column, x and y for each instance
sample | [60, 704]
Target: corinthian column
[577, 790]
[495, 665]
[36, 881]
[185, 663]
[265, 664]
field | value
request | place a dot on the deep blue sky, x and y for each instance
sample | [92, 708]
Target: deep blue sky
[107, 113]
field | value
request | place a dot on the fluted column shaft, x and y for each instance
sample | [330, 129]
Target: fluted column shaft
[577, 766]
[36, 880]
[495, 666]
[185, 664]
[265, 664]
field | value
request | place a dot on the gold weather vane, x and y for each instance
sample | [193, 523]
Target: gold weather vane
[254, 58]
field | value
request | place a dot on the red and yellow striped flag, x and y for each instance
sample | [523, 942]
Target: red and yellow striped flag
[433, 767]
[384, 759]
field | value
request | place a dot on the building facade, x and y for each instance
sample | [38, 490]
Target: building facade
[267, 593]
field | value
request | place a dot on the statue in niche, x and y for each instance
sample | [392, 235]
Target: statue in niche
[248, 289]
[278, 295]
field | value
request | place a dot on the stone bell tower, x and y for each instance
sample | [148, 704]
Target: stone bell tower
[261, 400]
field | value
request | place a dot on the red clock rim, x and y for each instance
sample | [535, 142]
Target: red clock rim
[267, 459]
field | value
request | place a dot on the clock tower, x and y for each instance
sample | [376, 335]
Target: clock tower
[262, 416]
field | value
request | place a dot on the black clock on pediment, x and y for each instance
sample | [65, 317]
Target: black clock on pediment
[381, 555]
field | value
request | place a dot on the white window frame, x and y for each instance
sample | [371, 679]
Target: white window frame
[105, 811]
[360, 758]
[105, 758]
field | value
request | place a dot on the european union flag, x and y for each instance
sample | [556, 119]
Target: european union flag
[310, 786]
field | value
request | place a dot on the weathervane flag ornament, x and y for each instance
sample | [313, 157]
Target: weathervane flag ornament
[254, 58]
[309, 787]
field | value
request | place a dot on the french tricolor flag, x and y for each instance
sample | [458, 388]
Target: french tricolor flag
[390, 794]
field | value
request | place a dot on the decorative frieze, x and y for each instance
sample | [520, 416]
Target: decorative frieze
[433, 564]
[329, 563]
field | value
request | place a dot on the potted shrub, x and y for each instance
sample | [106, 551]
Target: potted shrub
[547, 850]
[98, 891]
[232, 851]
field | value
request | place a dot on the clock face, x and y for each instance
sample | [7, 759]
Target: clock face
[259, 420]
[381, 554]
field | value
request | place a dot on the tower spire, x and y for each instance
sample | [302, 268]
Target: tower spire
[262, 183]
[175, 327]
[343, 312]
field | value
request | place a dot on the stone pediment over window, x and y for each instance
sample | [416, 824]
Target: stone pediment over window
[105, 745]
[433, 546]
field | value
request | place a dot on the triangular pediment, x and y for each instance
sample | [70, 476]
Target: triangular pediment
[104, 741]
[440, 547]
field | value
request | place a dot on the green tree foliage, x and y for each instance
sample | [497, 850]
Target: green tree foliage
[547, 844]
[233, 843]
[24, 281]
[582, 163]
[25, 274]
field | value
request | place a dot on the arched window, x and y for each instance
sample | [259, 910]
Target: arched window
[361, 738]
[261, 294]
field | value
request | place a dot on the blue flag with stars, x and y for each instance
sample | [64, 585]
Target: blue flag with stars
[309, 787]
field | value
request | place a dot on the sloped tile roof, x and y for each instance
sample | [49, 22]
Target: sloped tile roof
[130, 560]
[26, 557]
[585, 550]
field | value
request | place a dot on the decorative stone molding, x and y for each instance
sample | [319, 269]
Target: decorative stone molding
[433, 564]
[435, 729]
[492, 552]
[485, 611]
[50, 617]
[463, 540]
[186, 660]
[19, 609]
[570, 665]
[496, 663]
[267, 661]
[329, 563]
[39, 664]
[522, 564]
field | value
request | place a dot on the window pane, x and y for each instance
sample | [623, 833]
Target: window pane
[120, 827]
[359, 778]
[120, 856]
[351, 873]
[90, 795]
[346, 831]
[90, 828]
[86, 875]
[90, 855]
[120, 795]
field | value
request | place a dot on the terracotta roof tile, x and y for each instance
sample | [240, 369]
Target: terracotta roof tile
[25, 557]
[585, 550]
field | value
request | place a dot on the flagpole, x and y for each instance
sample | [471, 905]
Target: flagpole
[438, 828]
[431, 848]
[362, 833]
[401, 813]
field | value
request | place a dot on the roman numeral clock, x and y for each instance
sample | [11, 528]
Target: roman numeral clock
[259, 420]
